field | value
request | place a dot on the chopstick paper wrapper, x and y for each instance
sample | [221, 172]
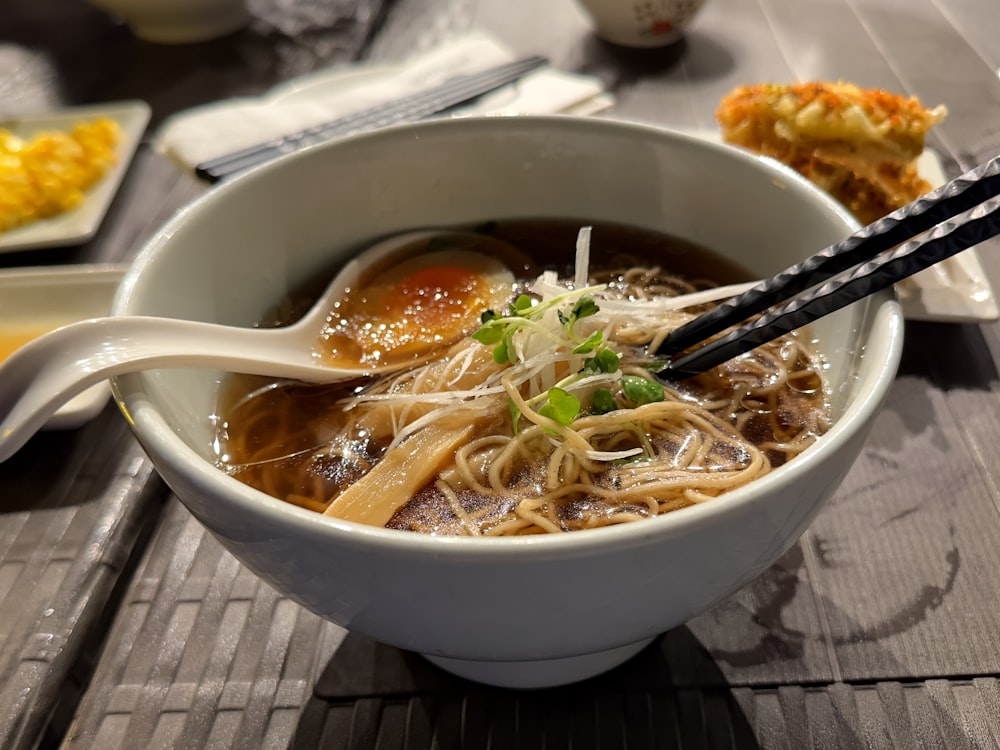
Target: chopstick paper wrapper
[205, 133]
[436, 100]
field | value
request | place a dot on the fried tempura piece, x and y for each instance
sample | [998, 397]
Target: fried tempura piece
[836, 117]
[858, 144]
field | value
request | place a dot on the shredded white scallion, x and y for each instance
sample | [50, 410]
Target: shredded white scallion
[613, 455]
[660, 305]
[582, 257]
[541, 353]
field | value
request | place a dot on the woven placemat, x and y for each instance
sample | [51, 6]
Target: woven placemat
[204, 654]
[64, 545]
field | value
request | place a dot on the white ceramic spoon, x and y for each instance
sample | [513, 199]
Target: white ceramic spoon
[46, 373]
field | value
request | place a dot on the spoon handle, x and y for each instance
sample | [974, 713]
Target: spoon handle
[46, 373]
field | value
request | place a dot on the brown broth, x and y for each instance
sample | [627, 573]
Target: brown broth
[302, 413]
[550, 243]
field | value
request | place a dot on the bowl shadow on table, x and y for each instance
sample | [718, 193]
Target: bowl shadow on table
[703, 57]
[742, 672]
[372, 691]
[55, 467]
[944, 352]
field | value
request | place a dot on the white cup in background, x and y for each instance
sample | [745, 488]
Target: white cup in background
[179, 21]
[641, 23]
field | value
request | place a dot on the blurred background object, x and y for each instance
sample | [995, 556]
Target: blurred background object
[92, 56]
[179, 21]
[641, 23]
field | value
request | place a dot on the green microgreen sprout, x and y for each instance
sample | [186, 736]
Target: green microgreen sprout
[641, 390]
[603, 402]
[515, 414]
[561, 406]
[604, 360]
[557, 403]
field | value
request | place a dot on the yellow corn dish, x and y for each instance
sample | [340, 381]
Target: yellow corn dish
[50, 172]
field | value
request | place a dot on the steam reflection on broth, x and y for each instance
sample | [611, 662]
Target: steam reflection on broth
[542, 417]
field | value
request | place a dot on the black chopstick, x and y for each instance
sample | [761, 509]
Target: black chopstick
[945, 202]
[966, 212]
[437, 99]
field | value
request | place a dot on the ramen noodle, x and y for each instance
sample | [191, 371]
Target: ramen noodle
[544, 413]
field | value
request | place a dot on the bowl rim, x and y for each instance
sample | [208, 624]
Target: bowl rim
[153, 430]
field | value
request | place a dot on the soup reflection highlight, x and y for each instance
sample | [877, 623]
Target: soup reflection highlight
[535, 409]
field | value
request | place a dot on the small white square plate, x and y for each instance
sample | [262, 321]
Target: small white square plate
[34, 301]
[79, 224]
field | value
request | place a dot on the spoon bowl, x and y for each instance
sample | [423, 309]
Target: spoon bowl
[46, 373]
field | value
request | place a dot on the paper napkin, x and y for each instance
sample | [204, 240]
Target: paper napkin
[196, 135]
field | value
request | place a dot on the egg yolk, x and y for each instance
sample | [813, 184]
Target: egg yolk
[405, 315]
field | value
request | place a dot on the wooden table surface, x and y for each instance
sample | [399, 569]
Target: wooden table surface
[123, 624]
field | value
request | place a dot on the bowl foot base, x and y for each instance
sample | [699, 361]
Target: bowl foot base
[541, 673]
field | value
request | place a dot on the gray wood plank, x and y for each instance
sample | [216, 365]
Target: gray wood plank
[840, 717]
[827, 56]
[904, 551]
[978, 23]
[61, 558]
[198, 641]
[935, 62]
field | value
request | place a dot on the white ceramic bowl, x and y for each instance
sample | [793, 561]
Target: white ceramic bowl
[179, 21]
[649, 23]
[519, 612]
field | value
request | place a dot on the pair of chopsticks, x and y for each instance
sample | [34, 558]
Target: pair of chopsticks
[431, 101]
[956, 216]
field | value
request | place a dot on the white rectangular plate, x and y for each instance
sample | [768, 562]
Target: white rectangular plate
[79, 224]
[48, 297]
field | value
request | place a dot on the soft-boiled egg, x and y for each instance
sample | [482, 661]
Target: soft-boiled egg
[415, 308]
